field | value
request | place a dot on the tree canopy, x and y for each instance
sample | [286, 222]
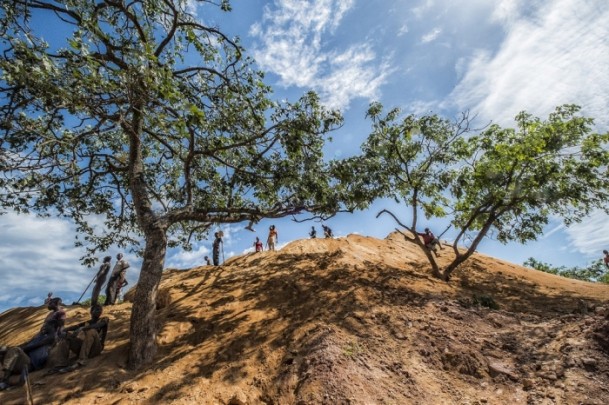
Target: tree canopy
[501, 182]
[154, 121]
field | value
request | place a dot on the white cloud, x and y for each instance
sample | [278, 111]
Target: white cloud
[420, 10]
[555, 54]
[187, 259]
[590, 236]
[293, 40]
[508, 11]
[431, 36]
[37, 255]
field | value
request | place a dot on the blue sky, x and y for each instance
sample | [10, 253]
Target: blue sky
[494, 58]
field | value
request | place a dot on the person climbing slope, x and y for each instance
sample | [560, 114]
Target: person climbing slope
[430, 241]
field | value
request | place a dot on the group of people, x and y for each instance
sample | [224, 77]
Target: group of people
[327, 232]
[54, 345]
[218, 245]
[271, 242]
[118, 280]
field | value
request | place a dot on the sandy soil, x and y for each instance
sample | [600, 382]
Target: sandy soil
[353, 320]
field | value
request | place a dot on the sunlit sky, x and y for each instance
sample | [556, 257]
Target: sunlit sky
[493, 58]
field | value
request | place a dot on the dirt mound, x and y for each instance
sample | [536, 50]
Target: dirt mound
[352, 320]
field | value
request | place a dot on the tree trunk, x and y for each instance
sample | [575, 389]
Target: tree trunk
[453, 265]
[143, 328]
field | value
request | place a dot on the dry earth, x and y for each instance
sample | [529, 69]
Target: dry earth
[353, 320]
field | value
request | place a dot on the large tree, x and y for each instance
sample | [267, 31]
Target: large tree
[153, 120]
[501, 182]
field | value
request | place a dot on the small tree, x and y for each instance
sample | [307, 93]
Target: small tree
[502, 182]
[594, 272]
[154, 121]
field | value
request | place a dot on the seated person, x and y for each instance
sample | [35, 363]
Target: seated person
[85, 339]
[14, 362]
[29, 356]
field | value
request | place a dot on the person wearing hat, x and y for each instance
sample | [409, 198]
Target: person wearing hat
[100, 279]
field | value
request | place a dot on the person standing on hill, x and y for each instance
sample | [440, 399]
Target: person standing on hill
[258, 245]
[313, 233]
[273, 238]
[207, 260]
[100, 279]
[216, 248]
[606, 258]
[327, 231]
[117, 280]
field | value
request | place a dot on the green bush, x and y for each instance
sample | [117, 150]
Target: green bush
[485, 301]
[87, 302]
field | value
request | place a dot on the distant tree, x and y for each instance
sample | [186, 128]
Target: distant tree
[155, 122]
[501, 182]
[595, 272]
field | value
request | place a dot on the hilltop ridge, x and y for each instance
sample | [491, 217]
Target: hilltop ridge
[353, 320]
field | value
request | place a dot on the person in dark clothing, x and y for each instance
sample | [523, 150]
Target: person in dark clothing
[117, 280]
[207, 260]
[100, 279]
[86, 340]
[313, 233]
[14, 363]
[216, 248]
[29, 356]
[327, 231]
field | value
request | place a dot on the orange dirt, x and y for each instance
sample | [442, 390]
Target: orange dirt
[354, 320]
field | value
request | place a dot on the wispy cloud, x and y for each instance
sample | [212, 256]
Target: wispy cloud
[555, 54]
[431, 36]
[293, 43]
[590, 236]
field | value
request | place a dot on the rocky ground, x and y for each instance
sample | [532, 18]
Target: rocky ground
[353, 320]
